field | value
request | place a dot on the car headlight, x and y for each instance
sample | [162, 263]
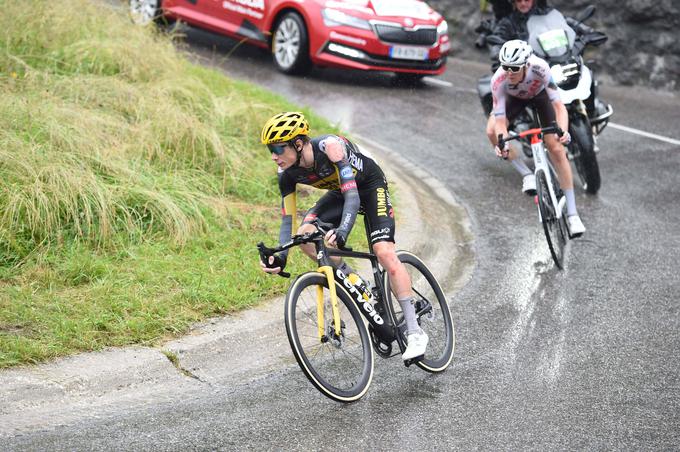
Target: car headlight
[442, 28]
[333, 18]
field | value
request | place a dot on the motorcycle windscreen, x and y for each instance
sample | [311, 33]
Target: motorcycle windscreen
[549, 34]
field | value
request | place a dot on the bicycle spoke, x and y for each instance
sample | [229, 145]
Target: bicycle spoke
[432, 313]
[340, 366]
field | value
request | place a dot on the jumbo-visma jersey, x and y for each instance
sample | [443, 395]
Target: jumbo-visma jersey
[325, 174]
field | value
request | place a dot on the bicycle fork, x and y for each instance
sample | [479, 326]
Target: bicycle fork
[381, 326]
[327, 270]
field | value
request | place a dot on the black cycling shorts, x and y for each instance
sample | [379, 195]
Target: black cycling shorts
[375, 205]
[541, 101]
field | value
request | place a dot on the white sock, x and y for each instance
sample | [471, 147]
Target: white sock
[410, 315]
[520, 166]
[571, 202]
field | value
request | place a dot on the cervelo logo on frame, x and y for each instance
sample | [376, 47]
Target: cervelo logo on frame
[368, 307]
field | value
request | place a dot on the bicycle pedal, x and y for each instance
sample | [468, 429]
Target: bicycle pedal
[417, 359]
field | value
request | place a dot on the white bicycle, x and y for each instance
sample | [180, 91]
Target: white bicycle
[550, 199]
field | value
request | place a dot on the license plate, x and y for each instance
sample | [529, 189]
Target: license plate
[409, 52]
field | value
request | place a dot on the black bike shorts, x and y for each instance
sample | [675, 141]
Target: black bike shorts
[546, 112]
[375, 204]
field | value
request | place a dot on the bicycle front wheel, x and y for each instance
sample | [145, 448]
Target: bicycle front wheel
[552, 226]
[432, 312]
[338, 365]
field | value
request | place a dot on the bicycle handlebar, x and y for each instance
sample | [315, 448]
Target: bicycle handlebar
[296, 240]
[552, 128]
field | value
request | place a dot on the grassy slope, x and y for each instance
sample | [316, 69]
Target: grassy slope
[132, 184]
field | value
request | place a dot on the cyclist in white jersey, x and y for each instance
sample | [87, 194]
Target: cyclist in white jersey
[524, 79]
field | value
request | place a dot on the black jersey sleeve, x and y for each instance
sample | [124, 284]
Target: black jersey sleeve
[288, 209]
[350, 194]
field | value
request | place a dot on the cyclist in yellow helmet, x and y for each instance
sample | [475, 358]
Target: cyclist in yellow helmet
[353, 180]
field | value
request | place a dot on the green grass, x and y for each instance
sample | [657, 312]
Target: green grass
[133, 188]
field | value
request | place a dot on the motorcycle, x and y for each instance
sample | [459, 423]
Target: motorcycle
[561, 42]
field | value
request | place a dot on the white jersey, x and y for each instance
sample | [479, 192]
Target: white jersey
[536, 79]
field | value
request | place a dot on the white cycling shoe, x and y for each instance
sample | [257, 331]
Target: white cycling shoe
[529, 184]
[416, 345]
[575, 225]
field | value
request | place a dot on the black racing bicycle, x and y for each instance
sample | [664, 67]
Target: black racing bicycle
[335, 324]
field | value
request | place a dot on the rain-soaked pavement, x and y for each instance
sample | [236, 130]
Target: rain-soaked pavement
[584, 358]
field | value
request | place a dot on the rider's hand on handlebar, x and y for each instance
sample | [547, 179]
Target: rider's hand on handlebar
[502, 153]
[565, 138]
[276, 264]
[335, 238]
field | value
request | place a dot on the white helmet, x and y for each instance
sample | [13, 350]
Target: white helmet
[515, 53]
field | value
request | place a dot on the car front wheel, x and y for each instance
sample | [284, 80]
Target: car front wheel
[290, 45]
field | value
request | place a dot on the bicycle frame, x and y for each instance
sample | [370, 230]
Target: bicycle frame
[384, 328]
[541, 163]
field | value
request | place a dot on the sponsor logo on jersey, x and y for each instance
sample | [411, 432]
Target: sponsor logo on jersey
[327, 183]
[380, 231]
[356, 161]
[346, 172]
[382, 202]
[348, 186]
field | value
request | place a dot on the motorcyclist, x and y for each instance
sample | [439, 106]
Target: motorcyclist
[514, 26]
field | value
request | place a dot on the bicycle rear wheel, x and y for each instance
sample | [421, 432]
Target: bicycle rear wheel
[340, 366]
[432, 311]
[552, 226]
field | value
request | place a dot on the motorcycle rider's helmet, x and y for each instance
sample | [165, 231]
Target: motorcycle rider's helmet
[284, 127]
[515, 53]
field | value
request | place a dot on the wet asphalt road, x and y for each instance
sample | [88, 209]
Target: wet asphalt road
[584, 358]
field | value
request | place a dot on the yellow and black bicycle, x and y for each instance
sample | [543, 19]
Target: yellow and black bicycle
[331, 341]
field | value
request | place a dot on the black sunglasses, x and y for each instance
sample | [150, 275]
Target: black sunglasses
[277, 148]
[512, 68]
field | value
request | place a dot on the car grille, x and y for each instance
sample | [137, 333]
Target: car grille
[398, 35]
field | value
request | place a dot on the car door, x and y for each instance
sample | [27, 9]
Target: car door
[243, 18]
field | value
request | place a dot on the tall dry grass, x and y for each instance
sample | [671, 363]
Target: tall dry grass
[106, 129]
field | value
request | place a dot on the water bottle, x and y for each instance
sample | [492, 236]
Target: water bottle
[360, 285]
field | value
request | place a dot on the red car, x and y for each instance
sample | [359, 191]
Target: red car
[402, 36]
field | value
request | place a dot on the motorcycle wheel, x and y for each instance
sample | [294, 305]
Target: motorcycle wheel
[582, 148]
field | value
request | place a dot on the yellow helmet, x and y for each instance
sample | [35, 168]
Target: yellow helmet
[284, 127]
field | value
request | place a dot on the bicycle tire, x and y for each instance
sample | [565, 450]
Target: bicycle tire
[552, 226]
[582, 147]
[438, 326]
[340, 369]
